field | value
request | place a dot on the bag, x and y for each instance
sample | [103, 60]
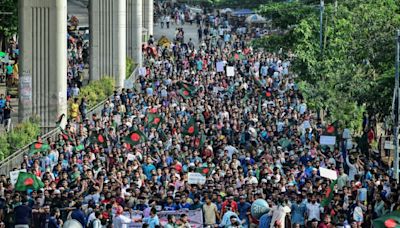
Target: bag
[91, 223]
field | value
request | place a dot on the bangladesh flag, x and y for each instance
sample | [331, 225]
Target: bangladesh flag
[199, 141]
[191, 128]
[332, 129]
[79, 147]
[154, 120]
[37, 147]
[186, 94]
[187, 86]
[65, 135]
[328, 194]
[135, 137]
[27, 181]
[99, 139]
[207, 171]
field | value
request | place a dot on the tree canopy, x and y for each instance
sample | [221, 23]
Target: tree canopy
[356, 70]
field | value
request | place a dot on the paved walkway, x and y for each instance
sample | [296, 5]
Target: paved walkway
[190, 32]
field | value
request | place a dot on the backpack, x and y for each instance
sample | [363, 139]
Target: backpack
[91, 223]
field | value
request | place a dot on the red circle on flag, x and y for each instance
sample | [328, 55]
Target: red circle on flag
[186, 93]
[268, 94]
[135, 137]
[100, 138]
[206, 170]
[191, 130]
[330, 129]
[28, 181]
[390, 223]
[153, 110]
[156, 120]
[37, 145]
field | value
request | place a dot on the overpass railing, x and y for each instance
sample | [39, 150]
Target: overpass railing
[15, 159]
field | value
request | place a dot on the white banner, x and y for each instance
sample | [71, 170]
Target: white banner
[328, 173]
[196, 178]
[14, 175]
[327, 140]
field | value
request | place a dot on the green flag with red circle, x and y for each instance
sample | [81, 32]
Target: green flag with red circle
[135, 137]
[37, 147]
[191, 128]
[332, 129]
[99, 139]
[27, 181]
[154, 120]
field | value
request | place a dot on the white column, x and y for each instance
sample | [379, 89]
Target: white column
[134, 29]
[148, 13]
[43, 60]
[108, 40]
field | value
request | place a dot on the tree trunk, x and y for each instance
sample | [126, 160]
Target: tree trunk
[1, 41]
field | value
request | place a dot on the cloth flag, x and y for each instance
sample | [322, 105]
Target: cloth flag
[205, 170]
[27, 181]
[191, 128]
[99, 139]
[135, 137]
[37, 147]
[332, 129]
[328, 194]
[154, 120]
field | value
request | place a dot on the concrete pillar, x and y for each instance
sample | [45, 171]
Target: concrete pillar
[107, 20]
[134, 30]
[43, 60]
[148, 15]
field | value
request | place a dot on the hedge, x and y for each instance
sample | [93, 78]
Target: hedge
[95, 92]
[21, 135]
[130, 67]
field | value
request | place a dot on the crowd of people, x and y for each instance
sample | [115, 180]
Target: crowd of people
[250, 133]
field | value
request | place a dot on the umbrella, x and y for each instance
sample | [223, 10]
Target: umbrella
[255, 19]
[2, 54]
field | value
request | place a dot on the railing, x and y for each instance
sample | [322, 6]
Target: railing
[15, 159]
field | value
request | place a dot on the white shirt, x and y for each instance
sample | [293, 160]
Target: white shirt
[121, 221]
[313, 211]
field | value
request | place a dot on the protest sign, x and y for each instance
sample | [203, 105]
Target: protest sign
[195, 217]
[230, 71]
[327, 140]
[14, 175]
[196, 178]
[220, 66]
[328, 173]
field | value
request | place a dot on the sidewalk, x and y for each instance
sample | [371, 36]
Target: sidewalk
[14, 104]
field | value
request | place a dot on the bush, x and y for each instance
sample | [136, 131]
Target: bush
[22, 135]
[96, 91]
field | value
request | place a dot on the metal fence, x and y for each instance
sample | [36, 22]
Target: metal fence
[15, 159]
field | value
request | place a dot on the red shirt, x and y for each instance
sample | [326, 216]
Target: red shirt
[234, 206]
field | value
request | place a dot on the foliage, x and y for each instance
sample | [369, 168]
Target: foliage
[355, 70]
[96, 91]
[274, 42]
[130, 67]
[8, 22]
[252, 4]
[285, 14]
[22, 135]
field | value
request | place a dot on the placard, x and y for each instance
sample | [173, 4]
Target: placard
[327, 140]
[220, 66]
[230, 71]
[389, 145]
[195, 217]
[14, 175]
[328, 173]
[196, 178]
[142, 71]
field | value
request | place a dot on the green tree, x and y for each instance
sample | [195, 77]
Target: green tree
[8, 20]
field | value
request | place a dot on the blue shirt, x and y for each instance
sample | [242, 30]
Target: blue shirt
[243, 208]
[22, 215]
[2, 103]
[80, 216]
[152, 221]
[147, 170]
[298, 211]
[265, 220]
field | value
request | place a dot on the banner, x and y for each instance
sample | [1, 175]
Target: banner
[195, 217]
[220, 66]
[327, 140]
[230, 71]
[14, 176]
[196, 178]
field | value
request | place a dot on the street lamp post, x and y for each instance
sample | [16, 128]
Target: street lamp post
[396, 111]
[321, 19]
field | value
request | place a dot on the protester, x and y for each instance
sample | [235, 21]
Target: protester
[250, 133]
